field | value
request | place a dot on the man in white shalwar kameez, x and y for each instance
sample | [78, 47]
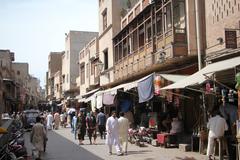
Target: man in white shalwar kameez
[112, 134]
[49, 121]
[217, 126]
[123, 131]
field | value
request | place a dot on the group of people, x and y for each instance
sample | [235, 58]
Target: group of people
[114, 130]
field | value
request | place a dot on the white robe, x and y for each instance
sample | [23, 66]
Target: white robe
[123, 128]
[49, 121]
[112, 131]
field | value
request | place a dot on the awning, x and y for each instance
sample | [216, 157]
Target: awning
[200, 76]
[90, 92]
[172, 77]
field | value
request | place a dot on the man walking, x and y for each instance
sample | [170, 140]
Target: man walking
[217, 126]
[112, 134]
[38, 136]
[123, 131]
[91, 127]
[101, 122]
[49, 121]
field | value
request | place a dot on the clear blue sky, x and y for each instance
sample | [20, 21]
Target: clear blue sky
[34, 28]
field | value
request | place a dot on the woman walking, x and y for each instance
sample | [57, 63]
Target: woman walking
[81, 127]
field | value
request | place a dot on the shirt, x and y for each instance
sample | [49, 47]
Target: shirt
[217, 126]
[101, 119]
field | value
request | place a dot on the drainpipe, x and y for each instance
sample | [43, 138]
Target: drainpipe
[198, 34]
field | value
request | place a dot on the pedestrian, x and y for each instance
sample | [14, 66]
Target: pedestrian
[217, 126]
[101, 122]
[123, 131]
[62, 119]
[49, 121]
[38, 136]
[74, 121]
[112, 134]
[56, 120]
[81, 127]
[91, 127]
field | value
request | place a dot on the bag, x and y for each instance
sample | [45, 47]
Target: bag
[35, 153]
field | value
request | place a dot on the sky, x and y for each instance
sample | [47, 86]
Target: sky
[34, 28]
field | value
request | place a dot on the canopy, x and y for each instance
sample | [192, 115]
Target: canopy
[90, 92]
[200, 76]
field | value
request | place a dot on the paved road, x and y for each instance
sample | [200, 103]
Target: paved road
[62, 146]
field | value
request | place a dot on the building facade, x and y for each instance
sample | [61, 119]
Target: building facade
[54, 66]
[156, 37]
[21, 71]
[74, 42]
[9, 94]
[89, 69]
[109, 25]
[221, 16]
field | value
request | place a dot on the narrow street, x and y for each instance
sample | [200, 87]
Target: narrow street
[62, 146]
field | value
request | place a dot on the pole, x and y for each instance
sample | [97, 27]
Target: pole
[199, 55]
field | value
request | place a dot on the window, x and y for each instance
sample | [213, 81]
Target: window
[63, 78]
[168, 17]
[105, 59]
[104, 16]
[82, 74]
[159, 23]
[92, 68]
[88, 70]
[116, 53]
[141, 36]
[18, 72]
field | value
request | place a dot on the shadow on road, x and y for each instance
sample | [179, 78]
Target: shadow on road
[60, 148]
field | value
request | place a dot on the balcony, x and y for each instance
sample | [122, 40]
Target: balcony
[170, 45]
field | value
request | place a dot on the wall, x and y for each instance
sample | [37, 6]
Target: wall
[221, 14]
[74, 42]
[113, 9]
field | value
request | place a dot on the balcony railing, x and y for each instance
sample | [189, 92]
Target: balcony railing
[168, 45]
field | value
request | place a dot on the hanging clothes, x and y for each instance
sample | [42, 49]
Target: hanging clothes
[146, 89]
[108, 99]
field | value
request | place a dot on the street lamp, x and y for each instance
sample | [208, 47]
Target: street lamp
[100, 65]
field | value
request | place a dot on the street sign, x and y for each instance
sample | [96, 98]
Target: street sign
[231, 39]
